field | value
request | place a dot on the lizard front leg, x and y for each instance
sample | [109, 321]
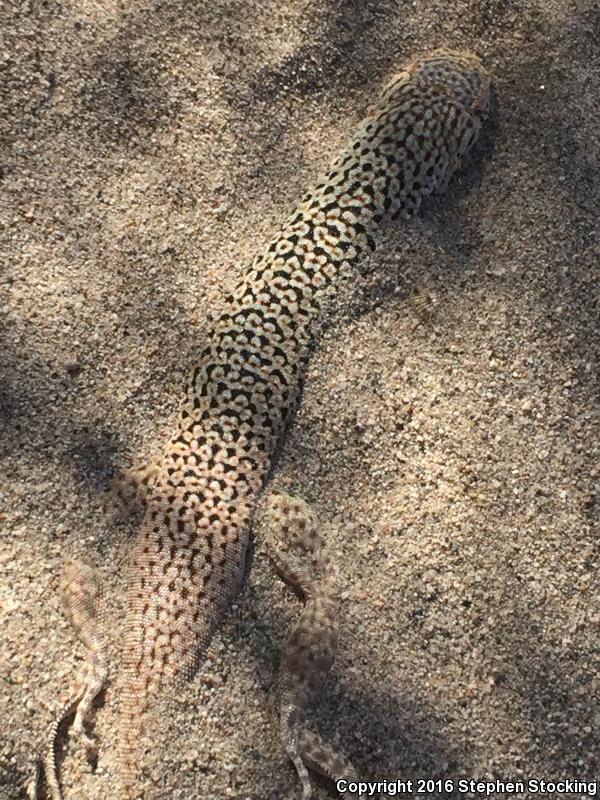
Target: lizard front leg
[131, 490]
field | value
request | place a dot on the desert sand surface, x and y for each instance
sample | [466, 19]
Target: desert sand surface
[449, 424]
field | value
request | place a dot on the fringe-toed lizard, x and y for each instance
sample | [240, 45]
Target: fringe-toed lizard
[188, 558]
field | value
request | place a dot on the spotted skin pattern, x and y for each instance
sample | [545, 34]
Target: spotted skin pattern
[189, 556]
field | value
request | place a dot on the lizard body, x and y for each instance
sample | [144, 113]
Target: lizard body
[188, 558]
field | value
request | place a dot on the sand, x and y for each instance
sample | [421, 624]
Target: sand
[147, 151]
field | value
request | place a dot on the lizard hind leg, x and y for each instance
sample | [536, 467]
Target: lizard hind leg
[295, 544]
[80, 591]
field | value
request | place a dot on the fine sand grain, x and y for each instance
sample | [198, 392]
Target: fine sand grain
[147, 151]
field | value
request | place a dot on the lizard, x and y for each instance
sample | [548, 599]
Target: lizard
[188, 558]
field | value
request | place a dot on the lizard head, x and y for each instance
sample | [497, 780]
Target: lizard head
[459, 74]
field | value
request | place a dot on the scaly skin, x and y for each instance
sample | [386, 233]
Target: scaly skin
[188, 558]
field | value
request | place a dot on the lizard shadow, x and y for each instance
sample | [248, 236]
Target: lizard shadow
[13, 781]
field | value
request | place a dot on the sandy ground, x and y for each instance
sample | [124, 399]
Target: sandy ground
[147, 150]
